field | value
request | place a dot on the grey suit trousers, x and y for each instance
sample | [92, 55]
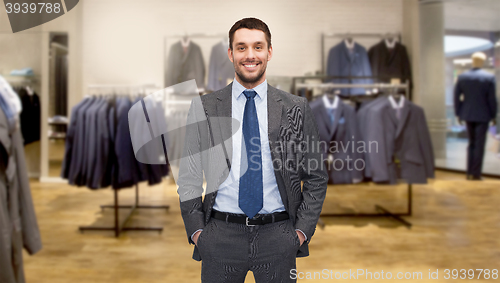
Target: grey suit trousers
[229, 250]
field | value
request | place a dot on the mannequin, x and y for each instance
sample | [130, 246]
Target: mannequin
[475, 103]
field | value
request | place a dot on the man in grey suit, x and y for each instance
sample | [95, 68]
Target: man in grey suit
[265, 180]
[476, 104]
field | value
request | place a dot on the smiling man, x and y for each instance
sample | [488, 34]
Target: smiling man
[264, 195]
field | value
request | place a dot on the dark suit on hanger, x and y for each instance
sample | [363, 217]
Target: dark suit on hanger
[339, 137]
[390, 63]
[70, 139]
[127, 174]
[477, 108]
[98, 179]
[79, 146]
[30, 116]
[93, 141]
[404, 148]
[184, 66]
[343, 63]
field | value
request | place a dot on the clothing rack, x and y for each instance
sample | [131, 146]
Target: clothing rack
[324, 36]
[383, 212]
[19, 81]
[119, 226]
[296, 85]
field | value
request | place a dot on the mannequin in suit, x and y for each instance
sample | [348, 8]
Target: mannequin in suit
[476, 104]
[263, 195]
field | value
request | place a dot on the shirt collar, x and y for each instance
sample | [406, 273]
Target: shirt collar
[261, 89]
[329, 104]
[397, 105]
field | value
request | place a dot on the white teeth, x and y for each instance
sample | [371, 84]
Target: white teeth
[250, 66]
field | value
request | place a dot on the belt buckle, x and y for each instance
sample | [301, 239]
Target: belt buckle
[246, 222]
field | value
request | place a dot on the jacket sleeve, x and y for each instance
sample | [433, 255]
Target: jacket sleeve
[31, 234]
[190, 179]
[313, 176]
[492, 100]
[406, 67]
[425, 143]
[456, 98]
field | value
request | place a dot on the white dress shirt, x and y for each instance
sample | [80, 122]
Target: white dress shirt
[228, 192]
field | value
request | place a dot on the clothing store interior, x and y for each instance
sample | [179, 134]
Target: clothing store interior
[421, 76]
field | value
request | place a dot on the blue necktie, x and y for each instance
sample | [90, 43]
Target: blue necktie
[250, 198]
[332, 115]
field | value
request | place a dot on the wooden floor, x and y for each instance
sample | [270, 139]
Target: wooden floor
[456, 225]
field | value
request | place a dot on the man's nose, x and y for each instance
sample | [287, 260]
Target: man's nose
[250, 54]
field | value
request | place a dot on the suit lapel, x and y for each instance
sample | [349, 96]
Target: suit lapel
[405, 111]
[345, 52]
[355, 58]
[224, 113]
[337, 115]
[325, 122]
[186, 54]
[391, 112]
[391, 54]
[274, 113]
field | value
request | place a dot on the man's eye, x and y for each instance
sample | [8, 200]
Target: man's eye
[241, 48]
[258, 47]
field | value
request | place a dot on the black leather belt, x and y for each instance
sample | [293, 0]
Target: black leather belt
[261, 219]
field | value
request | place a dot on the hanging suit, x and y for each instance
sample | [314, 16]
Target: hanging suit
[404, 148]
[30, 116]
[344, 133]
[184, 66]
[390, 63]
[343, 63]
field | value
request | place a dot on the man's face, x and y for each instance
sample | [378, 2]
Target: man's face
[250, 55]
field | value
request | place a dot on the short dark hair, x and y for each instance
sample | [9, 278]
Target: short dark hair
[249, 23]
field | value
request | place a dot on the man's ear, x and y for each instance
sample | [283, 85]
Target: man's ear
[230, 54]
[270, 53]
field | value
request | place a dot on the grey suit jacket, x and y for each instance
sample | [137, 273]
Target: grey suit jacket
[220, 68]
[18, 224]
[405, 140]
[181, 67]
[290, 122]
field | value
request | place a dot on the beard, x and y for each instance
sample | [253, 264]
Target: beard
[247, 79]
